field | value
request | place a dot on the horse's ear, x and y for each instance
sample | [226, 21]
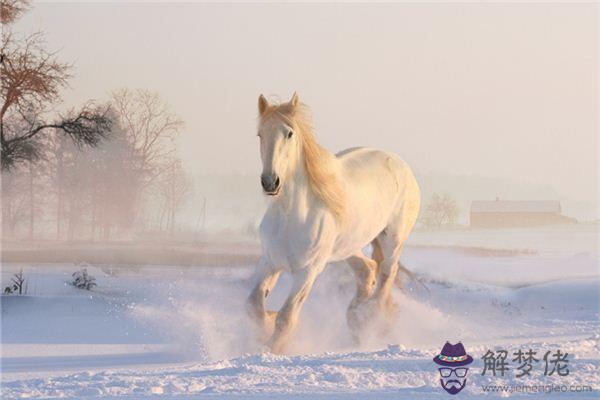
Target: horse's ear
[295, 100]
[262, 104]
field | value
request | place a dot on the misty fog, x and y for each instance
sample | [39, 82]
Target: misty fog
[485, 101]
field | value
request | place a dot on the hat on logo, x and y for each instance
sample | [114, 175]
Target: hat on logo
[453, 355]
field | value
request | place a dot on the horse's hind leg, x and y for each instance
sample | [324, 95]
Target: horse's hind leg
[391, 242]
[365, 271]
[388, 270]
[265, 279]
[377, 251]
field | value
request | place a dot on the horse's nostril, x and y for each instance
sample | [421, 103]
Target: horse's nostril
[269, 182]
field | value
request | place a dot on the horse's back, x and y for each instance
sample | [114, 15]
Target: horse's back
[369, 160]
[381, 189]
[342, 153]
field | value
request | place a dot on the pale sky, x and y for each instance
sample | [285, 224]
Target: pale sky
[500, 90]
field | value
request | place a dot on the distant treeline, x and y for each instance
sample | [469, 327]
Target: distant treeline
[91, 172]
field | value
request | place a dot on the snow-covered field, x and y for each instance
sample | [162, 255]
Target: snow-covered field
[181, 332]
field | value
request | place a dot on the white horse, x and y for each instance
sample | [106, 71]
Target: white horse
[326, 208]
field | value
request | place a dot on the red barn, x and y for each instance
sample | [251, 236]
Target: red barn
[505, 214]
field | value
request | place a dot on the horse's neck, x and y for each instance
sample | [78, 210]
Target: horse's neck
[296, 195]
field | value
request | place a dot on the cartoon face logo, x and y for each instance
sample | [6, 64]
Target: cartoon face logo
[453, 373]
[453, 384]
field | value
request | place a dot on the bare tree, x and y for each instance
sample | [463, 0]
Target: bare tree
[99, 191]
[14, 200]
[114, 191]
[22, 186]
[151, 128]
[11, 10]
[441, 210]
[174, 187]
[32, 78]
[19, 284]
[96, 191]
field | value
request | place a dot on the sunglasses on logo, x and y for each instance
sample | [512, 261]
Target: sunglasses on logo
[459, 372]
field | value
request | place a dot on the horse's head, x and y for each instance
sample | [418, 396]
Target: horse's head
[279, 142]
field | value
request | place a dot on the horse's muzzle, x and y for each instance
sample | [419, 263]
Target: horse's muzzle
[270, 184]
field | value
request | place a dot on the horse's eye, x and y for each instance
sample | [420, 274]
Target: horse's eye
[290, 133]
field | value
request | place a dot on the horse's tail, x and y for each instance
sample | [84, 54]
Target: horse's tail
[378, 257]
[413, 277]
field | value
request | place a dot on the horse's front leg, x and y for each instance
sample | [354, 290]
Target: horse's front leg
[265, 279]
[287, 318]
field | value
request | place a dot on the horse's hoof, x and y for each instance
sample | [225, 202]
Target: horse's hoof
[391, 308]
[277, 346]
[374, 311]
[360, 317]
[265, 326]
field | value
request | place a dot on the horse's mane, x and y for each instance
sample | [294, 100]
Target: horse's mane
[320, 165]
